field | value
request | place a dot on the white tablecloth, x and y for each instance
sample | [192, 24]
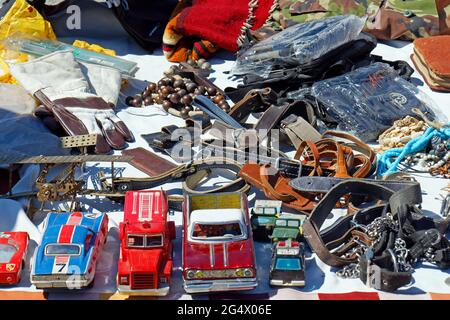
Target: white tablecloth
[319, 277]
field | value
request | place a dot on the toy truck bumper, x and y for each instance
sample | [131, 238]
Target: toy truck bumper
[198, 286]
[126, 290]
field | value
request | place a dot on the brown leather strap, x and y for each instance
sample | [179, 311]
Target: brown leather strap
[324, 155]
[254, 100]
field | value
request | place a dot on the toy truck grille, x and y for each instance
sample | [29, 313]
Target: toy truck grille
[143, 281]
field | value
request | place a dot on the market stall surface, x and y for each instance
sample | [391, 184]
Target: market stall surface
[321, 281]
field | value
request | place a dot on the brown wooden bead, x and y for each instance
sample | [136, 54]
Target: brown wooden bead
[148, 101]
[161, 83]
[224, 106]
[166, 105]
[218, 98]
[166, 90]
[201, 90]
[169, 81]
[182, 92]
[186, 99]
[175, 98]
[184, 113]
[137, 102]
[146, 93]
[211, 91]
[158, 99]
[178, 84]
[190, 87]
[151, 87]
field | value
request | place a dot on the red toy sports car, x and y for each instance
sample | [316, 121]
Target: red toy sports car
[13, 252]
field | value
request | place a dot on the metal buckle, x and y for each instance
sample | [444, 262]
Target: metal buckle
[235, 134]
[288, 162]
[445, 208]
[373, 276]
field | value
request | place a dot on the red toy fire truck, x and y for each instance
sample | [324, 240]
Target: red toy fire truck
[145, 262]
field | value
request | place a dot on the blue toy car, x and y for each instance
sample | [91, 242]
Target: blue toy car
[69, 251]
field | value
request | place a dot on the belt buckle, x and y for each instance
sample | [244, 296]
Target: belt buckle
[373, 276]
[235, 134]
[283, 165]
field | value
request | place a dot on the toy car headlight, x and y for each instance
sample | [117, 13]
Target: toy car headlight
[239, 272]
[199, 274]
[190, 274]
[124, 280]
[248, 272]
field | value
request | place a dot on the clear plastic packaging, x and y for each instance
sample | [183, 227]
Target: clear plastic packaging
[298, 44]
[367, 101]
[42, 47]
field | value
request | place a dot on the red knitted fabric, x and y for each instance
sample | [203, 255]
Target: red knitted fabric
[220, 21]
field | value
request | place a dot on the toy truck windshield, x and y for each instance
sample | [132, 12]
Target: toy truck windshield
[214, 224]
[265, 211]
[144, 241]
[228, 230]
[287, 223]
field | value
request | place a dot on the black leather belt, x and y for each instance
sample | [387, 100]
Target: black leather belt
[319, 184]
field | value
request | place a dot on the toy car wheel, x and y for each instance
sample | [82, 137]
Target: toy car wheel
[91, 284]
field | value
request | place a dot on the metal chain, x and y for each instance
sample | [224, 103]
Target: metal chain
[352, 271]
[429, 255]
[401, 253]
[377, 226]
[374, 231]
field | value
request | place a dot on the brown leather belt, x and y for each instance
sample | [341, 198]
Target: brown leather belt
[326, 157]
[378, 265]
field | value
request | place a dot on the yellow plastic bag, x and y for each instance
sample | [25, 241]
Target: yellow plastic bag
[23, 19]
[93, 47]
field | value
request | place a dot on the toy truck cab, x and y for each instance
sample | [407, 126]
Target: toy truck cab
[287, 267]
[218, 253]
[263, 217]
[145, 262]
